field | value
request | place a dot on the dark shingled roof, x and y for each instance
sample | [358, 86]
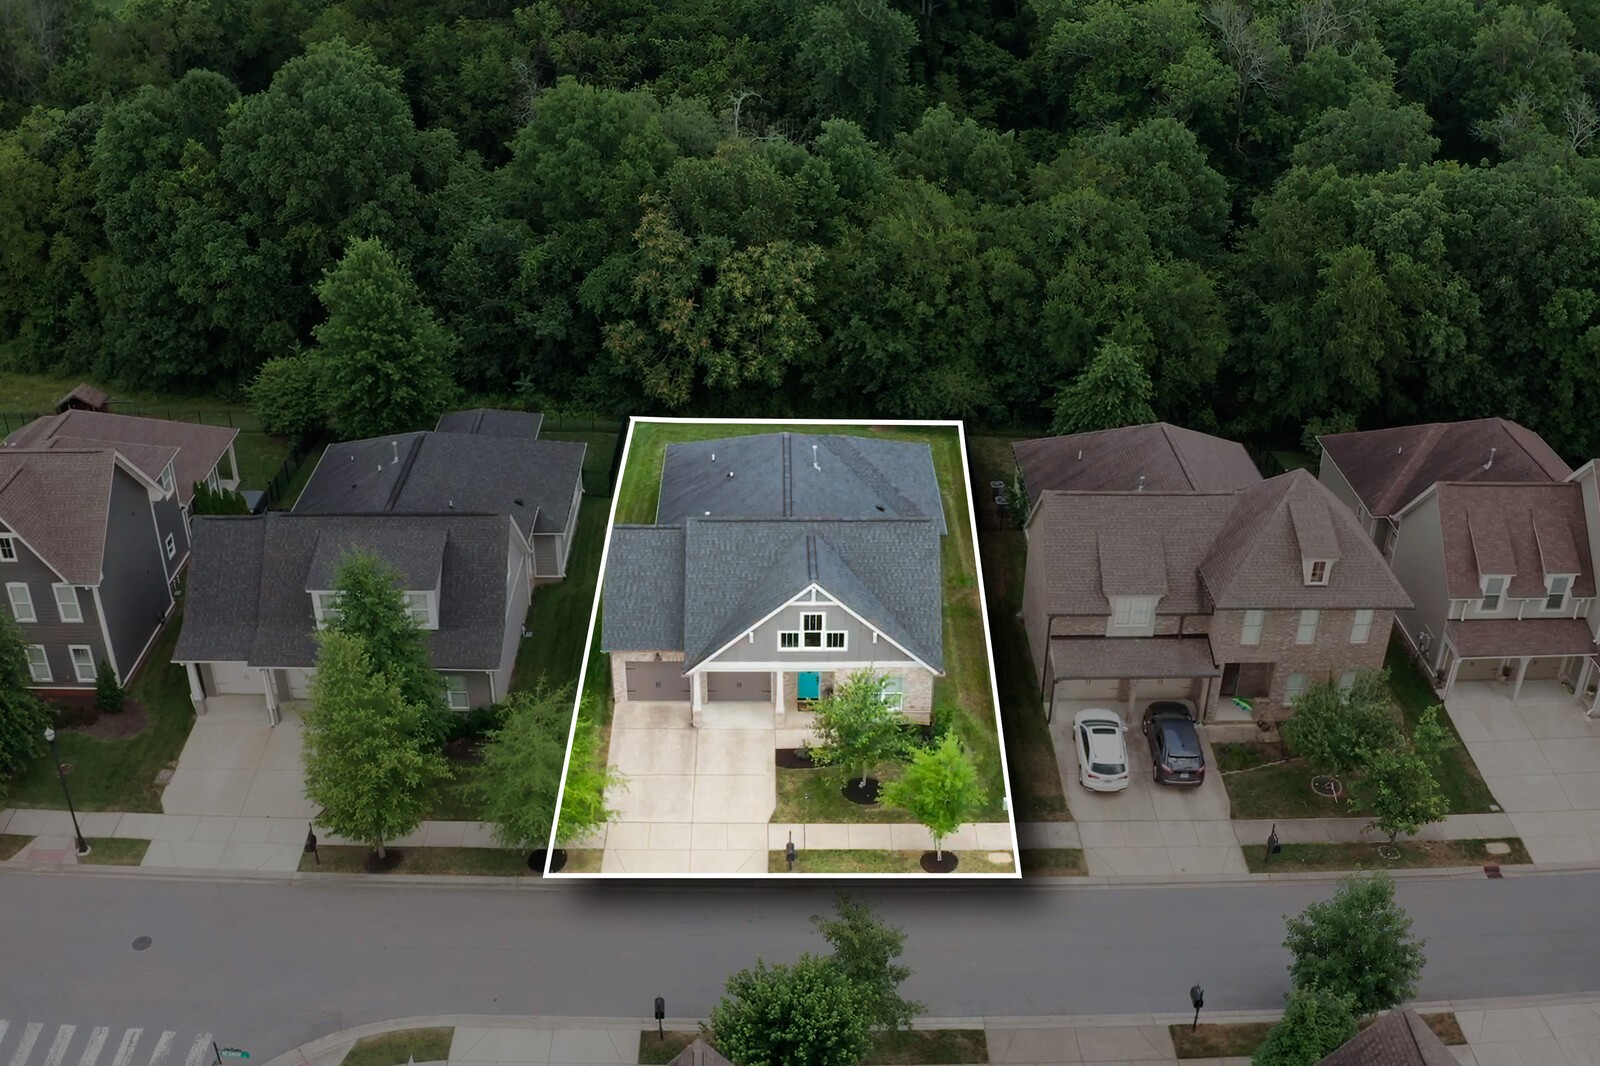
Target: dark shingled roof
[799, 475]
[418, 554]
[199, 448]
[733, 572]
[1388, 468]
[247, 601]
[1399, 1038]
[533, 481]
[1516, 530]
[1169, 458]
[1119, 657]
[492, 422]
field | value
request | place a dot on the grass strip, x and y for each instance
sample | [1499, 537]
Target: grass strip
[400, 1047]
[866, 861]
[114, 851]
[1414, 855]
[461, 862]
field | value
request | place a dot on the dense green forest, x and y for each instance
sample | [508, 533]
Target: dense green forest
[1257, 217]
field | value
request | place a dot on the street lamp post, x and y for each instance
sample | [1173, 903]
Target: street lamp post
[55, 753]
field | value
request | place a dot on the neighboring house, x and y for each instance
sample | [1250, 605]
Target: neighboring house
[1398, 1038]
[1493, 536]
[84, 398]
[778, 565]
[478, 462]
[1156, 457]
[1252, 595]
[260, 587]
[88, 558]
[176, 455]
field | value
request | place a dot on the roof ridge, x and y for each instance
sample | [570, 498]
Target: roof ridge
[1432, 432]
[1177, 455]
[413, 449]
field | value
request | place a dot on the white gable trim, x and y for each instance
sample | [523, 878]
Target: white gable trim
[808, 597]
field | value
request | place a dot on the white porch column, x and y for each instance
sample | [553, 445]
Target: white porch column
[1450, 678]
[780, 698]
[270, 688]
[1594, 704]
[1522, 671]
[695, 699]
[197, 695]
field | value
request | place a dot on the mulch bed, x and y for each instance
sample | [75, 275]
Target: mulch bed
[857, 792]
[795, 759]
[939, 864]
[80, 715]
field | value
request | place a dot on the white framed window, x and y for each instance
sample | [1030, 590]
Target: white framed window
[1317, 571]
[1132, 611]
[1250, 631]
[168, 483]
[1292, 688]
[813, 635]
[1493, 588]
[894, 691]
[1306, 633]
[455, 691]
[1347, 680]
[811, 629]
[417, 607]
[325, 605]
[789, 640]
[1556, 587]
[1361, 626]
[82, 661]
[21, 602]
[213, 481]
[8, 548]
[835, 639]
[38, 663]
[172, 546]
[67, 605]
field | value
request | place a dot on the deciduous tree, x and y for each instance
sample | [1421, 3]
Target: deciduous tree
[856, 728]
[23, 716]
[1314, 1023]
[585, 800]
[805, 1012]
[1334, 729]
[940, 789]
[372, 607]
[287, 395]
[1357, 945]
[521, 771]
[1113, 391]
[864, 950]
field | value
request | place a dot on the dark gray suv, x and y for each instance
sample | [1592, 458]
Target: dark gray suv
[1175, 752]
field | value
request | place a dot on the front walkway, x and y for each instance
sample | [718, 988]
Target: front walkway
[1541, 759]
[236, 764]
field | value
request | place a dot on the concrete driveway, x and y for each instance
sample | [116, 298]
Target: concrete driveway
[1541, 759]
[235, 764]
[696, 800]
[1147, 828]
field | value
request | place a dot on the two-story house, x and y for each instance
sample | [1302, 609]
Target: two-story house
[1234, 599]
[778, 564]
[1153, 457]
[1492, 535]
[88, 558]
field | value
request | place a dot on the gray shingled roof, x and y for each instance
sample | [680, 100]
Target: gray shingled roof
[426, 473]
[799, 475]
[275, 628]
[417, 553]
[736, 571]
[1388, 468]
[643, 605]
[199, 447]
[1513, 529]
[492, 422]
[58, 502]
[1169, 458]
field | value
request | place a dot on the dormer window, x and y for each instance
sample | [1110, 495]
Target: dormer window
[1316, 571]
[167, 482]
[1493, 588]
[1556, 587]
[1129, 612]
[325, 605]
[420, 606]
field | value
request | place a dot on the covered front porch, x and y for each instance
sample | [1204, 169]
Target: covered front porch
[1127, 670]
[783, 694]
[1516, 652]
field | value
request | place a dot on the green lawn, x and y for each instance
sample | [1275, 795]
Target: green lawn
[812, 795]
[259, 456]
[1458, 775]
[464, 862]
[861, 861]
[1215, 1041]
[297, 482]
[114, 851]
[37, 394]
[558, 617]
[1053, 862]
[597, 458]
[397, 1048]
[1414, 854]
[120, 775]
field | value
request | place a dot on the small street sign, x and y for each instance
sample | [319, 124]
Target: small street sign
[234, 1053]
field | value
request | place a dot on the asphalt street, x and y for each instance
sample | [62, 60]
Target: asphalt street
[266, 966]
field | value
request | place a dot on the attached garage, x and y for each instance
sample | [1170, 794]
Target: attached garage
[299, 684]
[748, 687]
[1088, 690]
[233, 679]
[657, 682]
[1170, 688]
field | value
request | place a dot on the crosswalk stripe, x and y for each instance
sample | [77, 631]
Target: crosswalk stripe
[130, 1040]
[58, 1046]
[4, 1025]
[25, 1047]
[97, 1040]
[197, 1054]
[163, 1046]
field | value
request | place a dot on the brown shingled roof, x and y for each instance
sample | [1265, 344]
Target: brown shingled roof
[1498, 529]
[1388, 468]
[58, 502]
[1399, 1038]
[199, 447]
[699, 1053]
[1119, 657]
[1168, 458]
[1495, 638]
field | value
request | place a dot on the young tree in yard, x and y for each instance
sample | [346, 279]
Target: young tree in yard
[23, 716]
[385, 359]
[287, 395]
[1333, 729]
[1314, 1023]
[864, 949]
[372, 608]
[1356, 945]
[856, 727]
[589, 778]
[521, 770]
[809, 1012]
[940, 789]
[368, 763]
[1400, 782]
[1114, 390]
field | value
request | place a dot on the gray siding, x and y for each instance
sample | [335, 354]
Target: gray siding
[49, 631]
[477, 687]
[169, 519]
[517, 590]
[133, 586]
[1419, 564]
[859, 648]
[571, 532]
[1330, 476]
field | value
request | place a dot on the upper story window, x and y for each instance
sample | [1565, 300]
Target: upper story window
[21, 602]
[38, 663]
[8, 548]
[1293, 688]
[1250, 631]
[1556, 587]
[1133, 612]
[813, 635]
[1317, 570]
[325, 605]
[419, 605]
[1494, 587]
[168, 482]
[1307, 631]
[1361, 626]
[67, 605]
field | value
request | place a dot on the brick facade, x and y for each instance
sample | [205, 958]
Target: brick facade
[1328, 656]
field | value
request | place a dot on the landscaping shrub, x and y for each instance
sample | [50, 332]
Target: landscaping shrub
[108, 694]
[1314, 1023]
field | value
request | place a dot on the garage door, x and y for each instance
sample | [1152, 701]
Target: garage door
[235, 679]
[1088, 690]
[299, 684]
[752, 686]
[657, 682]
[1166, 689]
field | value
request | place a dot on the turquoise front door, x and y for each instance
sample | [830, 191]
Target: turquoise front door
[809, 685]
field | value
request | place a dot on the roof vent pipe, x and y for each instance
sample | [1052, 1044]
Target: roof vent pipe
[713, 457]
[1141, 483]
[814, 464]
[396, 446]
[1080, 455]
[1491, 459]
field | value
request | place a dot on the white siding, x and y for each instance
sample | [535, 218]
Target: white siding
[1419, 564]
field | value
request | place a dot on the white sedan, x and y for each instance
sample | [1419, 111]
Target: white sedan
[1102, 751]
